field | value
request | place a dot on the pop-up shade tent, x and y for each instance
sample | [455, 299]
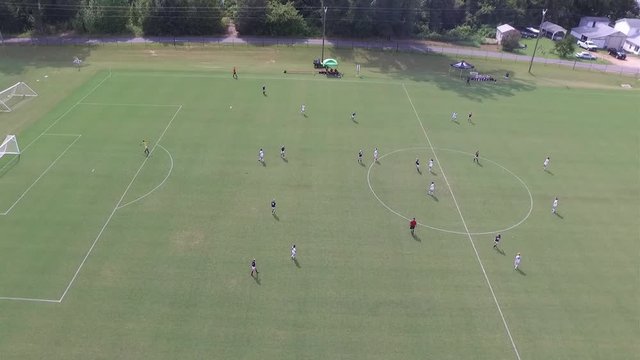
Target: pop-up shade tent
[462, 66]
[331, 63]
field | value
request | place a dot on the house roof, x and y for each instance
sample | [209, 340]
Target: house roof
[595, 18]
[552, 28]
[634, 40]
[634, 23]
[597, 32]
[505, 27]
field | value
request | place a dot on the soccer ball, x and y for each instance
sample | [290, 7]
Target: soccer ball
[230, 107]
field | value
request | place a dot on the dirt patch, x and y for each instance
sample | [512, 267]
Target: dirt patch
[188, 240]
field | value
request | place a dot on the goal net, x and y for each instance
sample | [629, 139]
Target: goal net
[9, 146]
[9, 97]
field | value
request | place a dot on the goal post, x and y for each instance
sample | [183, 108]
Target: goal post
[9, 95]
[9, 146]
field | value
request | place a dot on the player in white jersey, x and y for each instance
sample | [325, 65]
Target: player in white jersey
[516, 261]
[261, 156]
[454, 116]
[375, 154]
[432, 189]
[294, 251]
[554, 207]
[303, 108]
[545, 165]
[430, 165]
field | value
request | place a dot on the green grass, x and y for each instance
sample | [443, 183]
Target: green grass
[546, 49]
[169, 274]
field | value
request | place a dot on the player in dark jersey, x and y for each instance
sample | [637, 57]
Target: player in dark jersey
[264, 90]
[496, 241]
[476, 157]
[418, 165]
[273, 206]
[412, 226]
[254, 268]
[469, 118]
[360, 156]
[235, 73]
[353, 116]
[282, 153]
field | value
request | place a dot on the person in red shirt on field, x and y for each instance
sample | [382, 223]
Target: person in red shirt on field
[412, 226]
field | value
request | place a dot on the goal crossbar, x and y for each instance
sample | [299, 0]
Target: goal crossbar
[20, 89]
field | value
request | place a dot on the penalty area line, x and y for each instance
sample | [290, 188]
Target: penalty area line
[115, 208]
[9, 298]
[464, 223]
[40, 177]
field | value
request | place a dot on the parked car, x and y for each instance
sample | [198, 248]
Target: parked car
[585, 55]
[587, 45]
[618, 53]
[527, 34]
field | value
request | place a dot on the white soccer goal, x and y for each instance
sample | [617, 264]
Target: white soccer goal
[10, 96]
[9, 146]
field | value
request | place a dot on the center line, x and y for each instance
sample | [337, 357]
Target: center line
[464, 223]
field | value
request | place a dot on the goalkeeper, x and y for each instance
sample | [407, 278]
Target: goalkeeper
[146, 147]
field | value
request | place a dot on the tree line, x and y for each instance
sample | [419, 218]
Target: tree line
[439, 19]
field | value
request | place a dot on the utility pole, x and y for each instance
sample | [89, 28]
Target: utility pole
[544, 12]
[324, 26]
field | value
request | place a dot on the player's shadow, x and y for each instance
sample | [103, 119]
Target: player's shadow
[500, 251]
[549, 172]
[456, 122]
[416, 237]
[471, 123]
[362, 164]
[285, 159]
[295, 261]
[264, 163]
[305, 115]
[257, 279]
[434, 197]
[432, 173]
[558, 215]
[479, 163]
[521, 272]
[275, 216]
[377, 162]
[355, 121]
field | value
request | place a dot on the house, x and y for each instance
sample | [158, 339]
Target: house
[502, 30]
[631, 28]
[597, 29]
[553, 31]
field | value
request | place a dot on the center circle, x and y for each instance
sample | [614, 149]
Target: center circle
[398, 213]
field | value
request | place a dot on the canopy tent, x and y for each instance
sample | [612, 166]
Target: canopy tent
[462, 66]
[330, 63]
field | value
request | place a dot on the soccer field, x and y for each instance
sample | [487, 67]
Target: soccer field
[107, 253]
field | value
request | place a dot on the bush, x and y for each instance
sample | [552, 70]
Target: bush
[565, 47]
[284, 20]
[510, 40]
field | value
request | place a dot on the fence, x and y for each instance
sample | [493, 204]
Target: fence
[396, 46]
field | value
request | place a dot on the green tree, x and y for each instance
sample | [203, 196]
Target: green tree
[510, 40]
[103, 16]
[565, 47]
[251, 17]
[284, 20]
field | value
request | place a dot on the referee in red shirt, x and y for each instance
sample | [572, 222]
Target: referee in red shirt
[412, 226]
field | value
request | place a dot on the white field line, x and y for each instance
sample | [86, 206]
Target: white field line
[70, 135]
[155, 188]
[311, 78]
[115, 208]
[464, 223]
[58, 119]
[133, 104]
[40, 177]
[29, 299]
